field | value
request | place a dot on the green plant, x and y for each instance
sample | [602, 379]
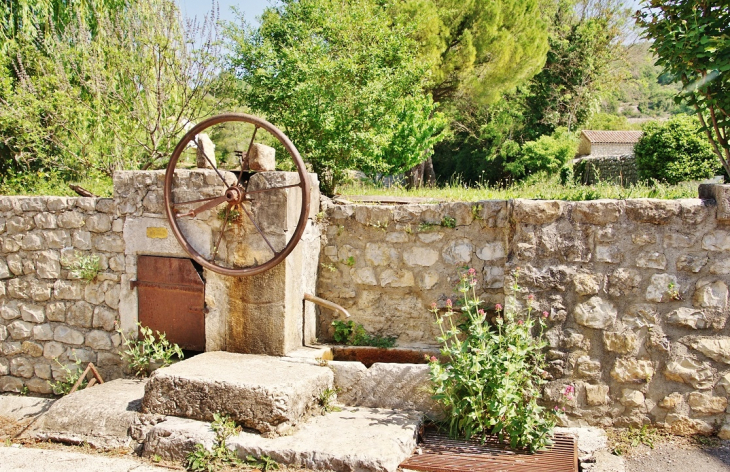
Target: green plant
[673, 293]
[476, 211]
[340, 230]
[329, 267]
[327, 400]
[675, 151]
[232, 215]
[83, 266]
[408, 229]
[448, 222]
[148, 349]
[383, 225]
[354, 334]
[263, 463]
[424, 227]
[201, 459]
[71, 376]
[156, 458]
[625, 439]
[491, 379]
[350, 261]
[24, 391]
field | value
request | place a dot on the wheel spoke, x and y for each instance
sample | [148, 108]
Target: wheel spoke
[250, 217]
[248, 153]
[274, 188]
[220, 238]
[207, 206]
[193, 201]
[213, 166]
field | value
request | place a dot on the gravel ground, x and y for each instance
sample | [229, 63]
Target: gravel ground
[680, 455]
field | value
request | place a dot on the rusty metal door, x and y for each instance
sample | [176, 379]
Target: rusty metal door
[172, 299]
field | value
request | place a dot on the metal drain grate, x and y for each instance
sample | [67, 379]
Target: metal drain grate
[442, 454]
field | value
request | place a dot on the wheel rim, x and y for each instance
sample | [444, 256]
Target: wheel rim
[235, 195]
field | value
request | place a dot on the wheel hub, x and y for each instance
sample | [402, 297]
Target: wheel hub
[235, 195]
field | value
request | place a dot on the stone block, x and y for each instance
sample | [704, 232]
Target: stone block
[109, 243]
[67, 335]
[396, 278]
[57, 239]
[715, 347]
[45, 221]
[377, 254]
[699, 375]
[721, 195]
[652, 260]
[32, 242]
[68, 290]
[365, 439]
[100, 416]
[174, 438]
[9, 312]
[4, 270]
[420, 256]
[43, 332]
[53, 350]
[9, 349]
[31, 349]
[693, 263]
[597, 212]
[631, 398]
[262, 158]
[689, 317]
[703, 404]
[595, 313]
[80, 314]
[99, 223]
[82, 240]
[586, 284]
[18, 225]
[20, 330]
[10, 384]
[32, 313]
[98, 340]
[492, 252]
[716, 240]
[597, 394]
[684, 426]
[676, 240]
[41, 386]
[710, 294]
[104, 318]
[587, 368]
[632, 370]
[624, 342]
[653, 211]
[259, 392]
[86, 203]
[458, 252]
[660, 286]
[3, 332]
[536, 212]
[21, 367]
[56, 311]
[671, 401]
[71, 219]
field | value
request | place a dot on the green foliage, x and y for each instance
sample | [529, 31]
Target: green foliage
[354, 334]
[626, 439]
[675, 151]
[149, 349]
[478, 49]
[201, 459]
[344, 83]
[690, 39]
[71, 376]
[547, 154]
[492, 379]
[263, 463]
[578, 68]
[83, 266]
[327, 400]
[114, 93]
[448, 222]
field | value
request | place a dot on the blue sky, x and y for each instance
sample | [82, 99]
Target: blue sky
[250, 8]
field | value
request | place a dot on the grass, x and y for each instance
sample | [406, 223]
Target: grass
[531, 188]
[52, 184]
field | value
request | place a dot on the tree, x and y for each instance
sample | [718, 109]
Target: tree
[675, 151]
[480, 48]
[77, 102]
[546, 154]
[343, 81]
[584, 45]
[691, 41]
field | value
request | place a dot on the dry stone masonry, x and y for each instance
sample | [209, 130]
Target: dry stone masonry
[636, 292]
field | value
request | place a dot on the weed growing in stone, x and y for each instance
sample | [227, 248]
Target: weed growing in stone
[83, 266]
[476, 212]
[263, 463]
[70, 377]
[492, 377]
[201, 459]
[349, 262]
[423, 227]
[149, 349]
[448, 222]
[327, 400]
[329, 267]
[230, 216]
[354, 334]
[625, 439]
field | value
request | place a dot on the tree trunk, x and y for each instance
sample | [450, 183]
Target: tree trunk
[420, 175]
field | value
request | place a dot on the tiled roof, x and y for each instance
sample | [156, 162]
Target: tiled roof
[612, 136]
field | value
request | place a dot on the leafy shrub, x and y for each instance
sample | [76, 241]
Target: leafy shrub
[83, 266]
[492, 378]
[675, 151]
[64, 386]
[547, 154]
[348, 332]
[149, 349]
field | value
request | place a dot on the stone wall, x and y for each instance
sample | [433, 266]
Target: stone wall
[636, 292]
[45, 313]
[611, 149]
[619, 169]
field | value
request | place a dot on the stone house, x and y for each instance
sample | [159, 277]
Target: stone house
[607, 143]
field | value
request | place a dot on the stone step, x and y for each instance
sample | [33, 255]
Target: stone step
[259, 392]
[353, 439]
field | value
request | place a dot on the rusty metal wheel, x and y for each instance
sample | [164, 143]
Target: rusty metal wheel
[219, 197]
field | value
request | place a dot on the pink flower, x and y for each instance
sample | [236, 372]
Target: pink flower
[433, 359]
[498, 307]
[433, 305]
[448, 302]
[531, 297]
[472, 271]
[481, 312]
[520, 322]
[473, 282]
[545, 314]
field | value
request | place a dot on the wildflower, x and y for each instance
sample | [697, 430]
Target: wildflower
[481, 312]
[433, 359]
[425, 356]
[499, 320]
[520, 322]
[473, 282]
[531, 297]
[545, 314]
[498, 307]
[472, 271]
[449, 303]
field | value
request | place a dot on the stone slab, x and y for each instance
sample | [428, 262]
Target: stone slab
[173, 438]
[354, 439]
[14, 459]
[100, 416]
[259, 392]
[19, 408]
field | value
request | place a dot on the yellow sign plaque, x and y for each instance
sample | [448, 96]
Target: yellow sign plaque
[156, 233]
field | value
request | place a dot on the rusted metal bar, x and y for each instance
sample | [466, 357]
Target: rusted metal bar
[326, 303]
[96, 377]
[162, 285]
